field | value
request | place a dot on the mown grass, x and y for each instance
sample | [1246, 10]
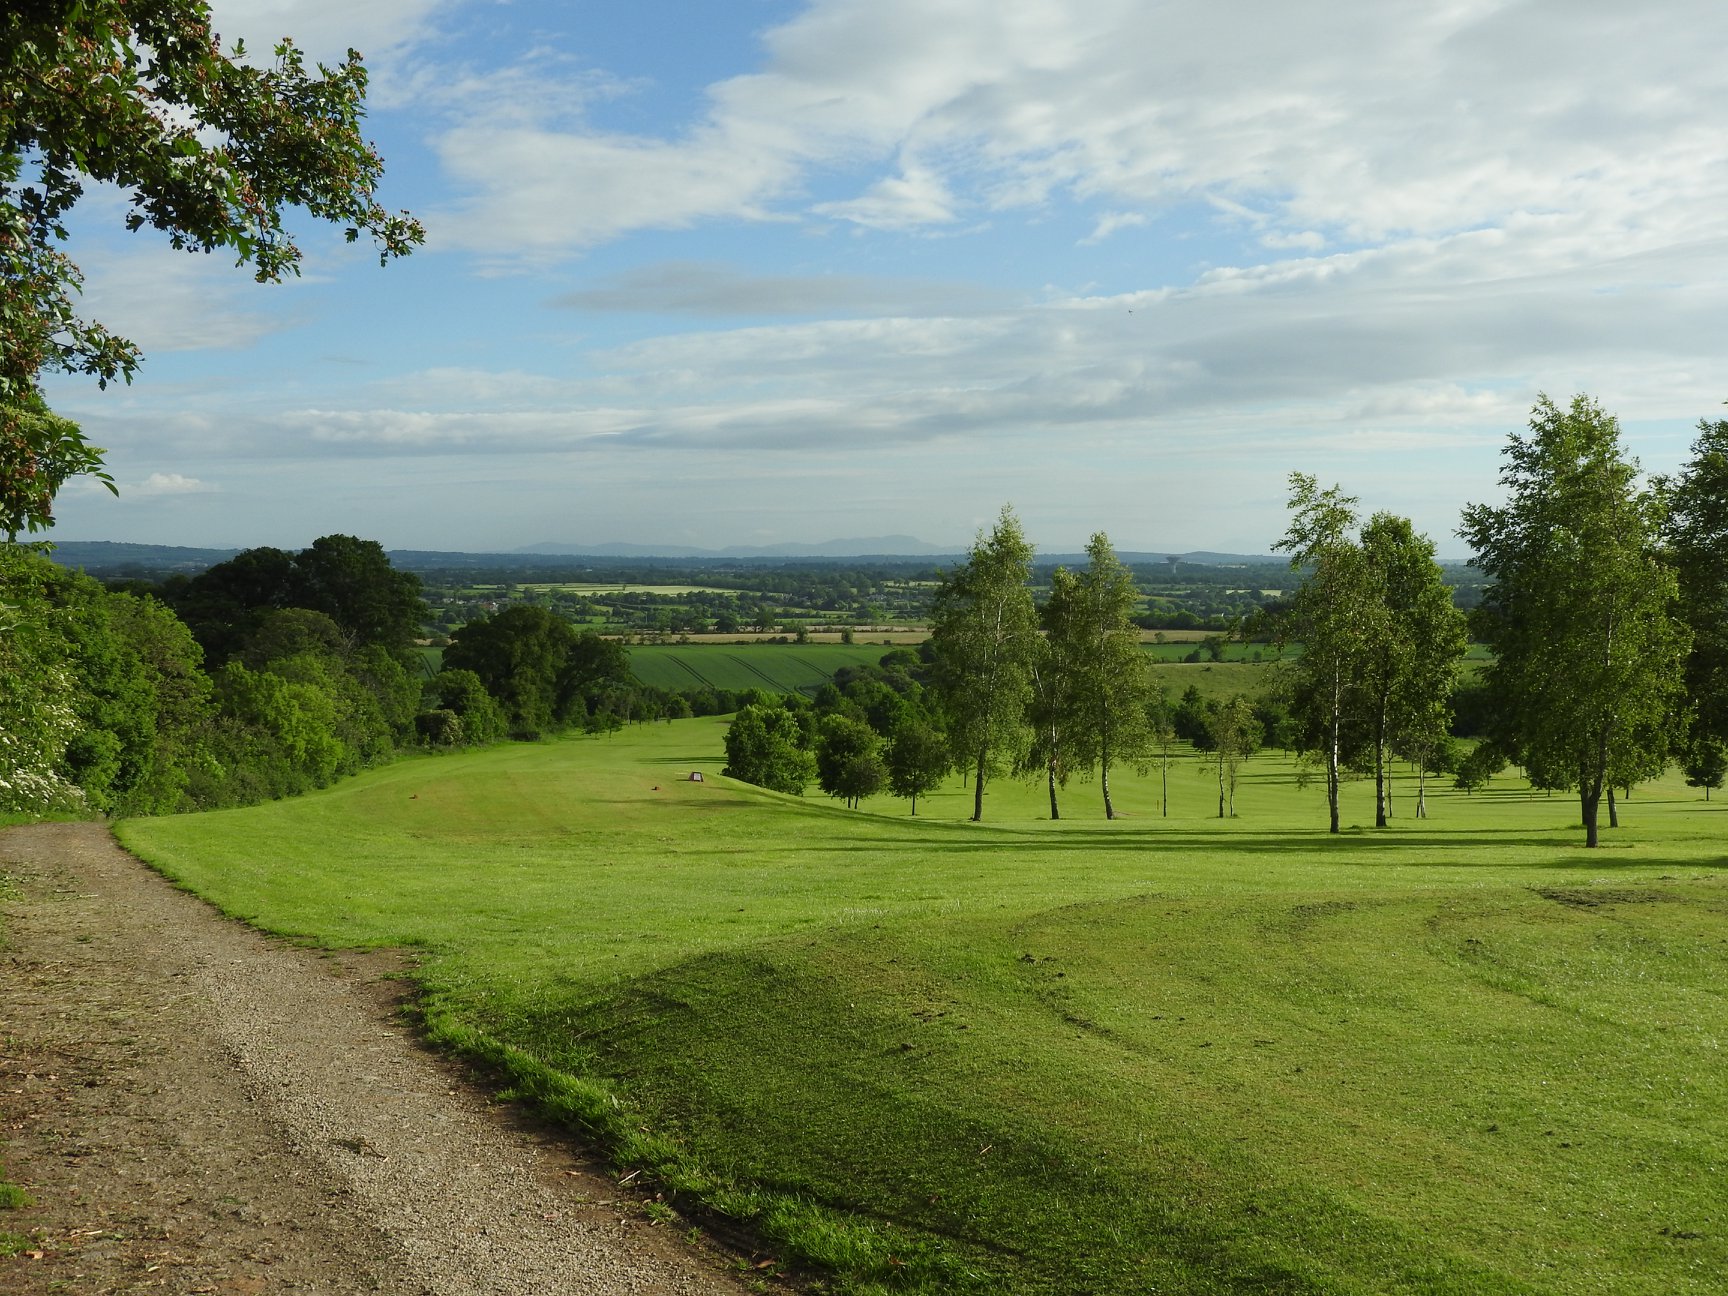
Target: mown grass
[1157, 1054]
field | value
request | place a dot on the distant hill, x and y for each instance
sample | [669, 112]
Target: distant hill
[109, 559]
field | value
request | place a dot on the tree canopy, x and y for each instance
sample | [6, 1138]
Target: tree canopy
[215, 150]
[984, 633]
[1586, 676]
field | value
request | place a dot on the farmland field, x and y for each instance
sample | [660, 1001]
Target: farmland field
[1170, 1054]
[778, 668]
[803, 668]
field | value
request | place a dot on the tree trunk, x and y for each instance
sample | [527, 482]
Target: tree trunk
[1422, 789]
[1220, 789]
[1050, 771]
[1104, 777]
[1380, 790]
[1589, 803]
[1165, 797]
[1332, 753]
[978, 787]
[1613, 810]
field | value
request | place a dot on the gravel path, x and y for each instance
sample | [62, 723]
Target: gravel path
[198, 1108]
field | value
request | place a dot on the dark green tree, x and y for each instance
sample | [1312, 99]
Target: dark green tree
[849, 762]
[765, 745]
[464, 695]
[224, 605]
[352, 582]
[1706, 763]
[595, 678]
[918, 759]
[984, 635]
[1587, 674]
[213, 150]
[1697, 538]
[519, 655]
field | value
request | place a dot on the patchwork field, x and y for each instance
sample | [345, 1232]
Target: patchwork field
[1162, 1054]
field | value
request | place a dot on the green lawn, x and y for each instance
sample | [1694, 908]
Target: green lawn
[1161, 1054]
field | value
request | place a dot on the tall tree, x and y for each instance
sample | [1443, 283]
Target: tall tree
[1697, 538]
[1236, 734]
[765, 746]
[352, 582]
[984, 634]
[849, 761]
[1588, 657]
[1335, 615]
[918, 759]
[519, 655]
[1417, 638]
[1054, 706]
[1111, 682]
[211, 148]
[1161, 731]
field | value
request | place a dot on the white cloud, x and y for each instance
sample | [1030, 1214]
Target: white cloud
[1110, 222]
[914, 199]
[327, 29]
[160, 483]
[709, 289]
[1369, 124]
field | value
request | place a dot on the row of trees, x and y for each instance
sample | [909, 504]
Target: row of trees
[1605, 610]
[873, 728]
[1003, 687]
[1381, 641]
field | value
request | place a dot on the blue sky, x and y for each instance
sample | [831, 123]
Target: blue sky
[759, 271]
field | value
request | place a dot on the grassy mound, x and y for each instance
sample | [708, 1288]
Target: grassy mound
[1160, 1054]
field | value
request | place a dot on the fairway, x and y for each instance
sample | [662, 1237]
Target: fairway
[1165, 1054]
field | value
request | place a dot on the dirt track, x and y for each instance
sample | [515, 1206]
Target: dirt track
[197, 1108]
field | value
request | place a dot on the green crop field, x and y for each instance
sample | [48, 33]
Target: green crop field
[1462, 1055]
[803, 668]
[776, 668]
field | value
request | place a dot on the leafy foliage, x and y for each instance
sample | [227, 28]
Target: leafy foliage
[984, 637]
[766, 745]
[1587, 674]
[214, 150]
[1696, 533]
[849, 760]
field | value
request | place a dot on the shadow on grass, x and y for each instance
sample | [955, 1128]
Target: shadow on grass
[1482, 849]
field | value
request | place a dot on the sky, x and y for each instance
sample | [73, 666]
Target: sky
[761, 271]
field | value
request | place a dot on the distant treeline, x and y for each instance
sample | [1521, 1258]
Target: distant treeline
[1212, 591]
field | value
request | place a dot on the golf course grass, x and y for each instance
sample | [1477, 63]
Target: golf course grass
[1160, 1054]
